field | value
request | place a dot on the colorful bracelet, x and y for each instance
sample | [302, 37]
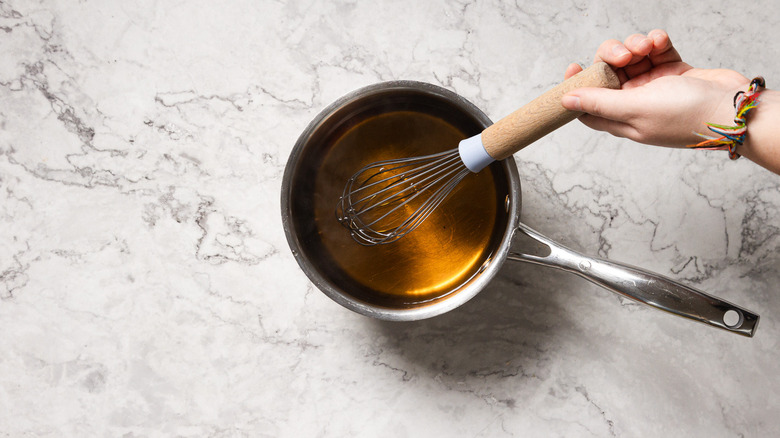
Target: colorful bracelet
[732, 136]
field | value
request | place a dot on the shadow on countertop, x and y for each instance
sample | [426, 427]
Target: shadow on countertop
[512, 327]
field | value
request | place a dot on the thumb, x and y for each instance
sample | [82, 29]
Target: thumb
[600, 102]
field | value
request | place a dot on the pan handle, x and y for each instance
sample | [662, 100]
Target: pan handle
[641, 285]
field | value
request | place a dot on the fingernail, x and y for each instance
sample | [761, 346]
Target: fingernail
[571, 102]
[620, 50]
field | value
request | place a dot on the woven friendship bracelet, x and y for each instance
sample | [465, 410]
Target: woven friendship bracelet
[729, 137]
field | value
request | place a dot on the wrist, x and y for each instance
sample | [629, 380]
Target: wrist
[731, 137]
[715, 106]
[761, 144]
[724, 112]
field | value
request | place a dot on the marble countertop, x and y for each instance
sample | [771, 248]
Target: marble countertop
[147, 288]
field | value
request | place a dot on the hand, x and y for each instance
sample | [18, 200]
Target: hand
[663, 101]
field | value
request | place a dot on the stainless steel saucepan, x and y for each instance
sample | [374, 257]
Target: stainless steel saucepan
[306, 233]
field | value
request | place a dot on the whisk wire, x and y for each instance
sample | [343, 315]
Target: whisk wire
[409, 199]
[407, 184]
[430, 205]
[375, 198]
[419, 170]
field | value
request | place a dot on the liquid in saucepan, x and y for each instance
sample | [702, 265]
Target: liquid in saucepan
[444, 252]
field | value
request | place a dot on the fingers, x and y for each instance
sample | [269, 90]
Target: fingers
[638, 54]
[640, 47]
[605, 110]
[666, 69]
[600, 102]
[572, 70]
[626, 58]
[663, 51]
[631, 111]
[618, 129]
[614, 53]
[639, 59]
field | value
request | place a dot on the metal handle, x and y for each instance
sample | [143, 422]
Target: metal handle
[643, 286]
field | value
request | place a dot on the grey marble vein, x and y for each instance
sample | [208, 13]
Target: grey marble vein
[147, 289]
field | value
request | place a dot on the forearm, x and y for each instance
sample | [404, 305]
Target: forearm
[762, 143]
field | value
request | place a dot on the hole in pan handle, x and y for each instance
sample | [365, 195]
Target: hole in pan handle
[644, 286]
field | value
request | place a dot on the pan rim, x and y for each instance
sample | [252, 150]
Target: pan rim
[463, 293]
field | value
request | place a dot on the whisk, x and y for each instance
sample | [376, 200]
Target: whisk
[386, 200]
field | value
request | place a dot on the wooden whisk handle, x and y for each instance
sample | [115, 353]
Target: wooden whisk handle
[544, 114]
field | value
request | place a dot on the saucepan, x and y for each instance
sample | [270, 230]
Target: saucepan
[439, 268]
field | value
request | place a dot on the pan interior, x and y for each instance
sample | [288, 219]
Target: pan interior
[435, 260]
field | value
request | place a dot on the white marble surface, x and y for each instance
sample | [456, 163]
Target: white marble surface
[147, 289]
